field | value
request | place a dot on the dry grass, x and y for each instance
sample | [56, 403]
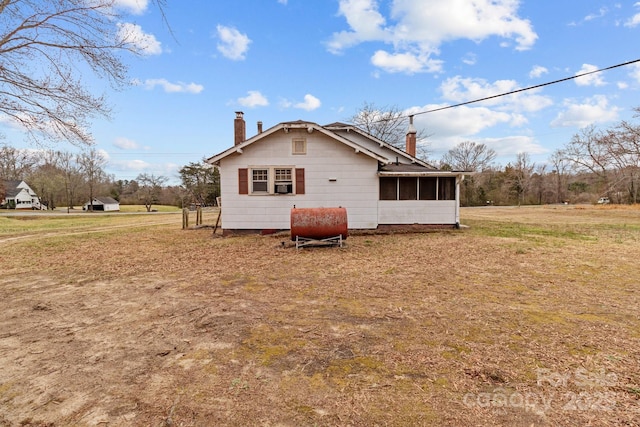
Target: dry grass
[530, 317]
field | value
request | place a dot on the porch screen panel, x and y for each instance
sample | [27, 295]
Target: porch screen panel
[408, 188]
[428, 188]
[447, 188]
[388, 188]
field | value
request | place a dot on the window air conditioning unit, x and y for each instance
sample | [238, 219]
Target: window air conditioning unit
[282, 188]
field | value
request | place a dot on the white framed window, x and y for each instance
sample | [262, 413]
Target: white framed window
[283, 182]
[271, 180]
[298, 146]
[259, 180]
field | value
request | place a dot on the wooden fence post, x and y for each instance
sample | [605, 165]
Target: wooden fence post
[185, 218]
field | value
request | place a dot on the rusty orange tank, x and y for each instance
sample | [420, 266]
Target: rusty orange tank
[319, 223]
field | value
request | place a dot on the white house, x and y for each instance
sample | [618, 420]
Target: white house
[18, 195]
[106, 204]
[306, 165]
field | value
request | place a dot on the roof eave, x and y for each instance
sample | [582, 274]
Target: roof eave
[381, 143]
[286, 127]
[215, 159]
[422, 173]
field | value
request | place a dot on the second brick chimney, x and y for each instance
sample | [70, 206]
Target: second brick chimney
[411, 138]
[239, 128]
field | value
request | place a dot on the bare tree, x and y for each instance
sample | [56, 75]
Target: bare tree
[42, 44]
[150, 188]
[46, 178]
[539, 183]
[16, 164]
[519, 176]
[469, 156]
[388, 124]
[559, 171]
[472, 157]
[623, 144]
[587, 153]
[72, 176]
[91, 164]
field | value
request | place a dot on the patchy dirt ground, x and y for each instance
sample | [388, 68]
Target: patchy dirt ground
[528, 318]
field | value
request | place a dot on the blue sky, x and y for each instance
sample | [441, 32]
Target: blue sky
[283, 60]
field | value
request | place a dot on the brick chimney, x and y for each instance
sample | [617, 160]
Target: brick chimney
[239, 128]
[259, 127]
[411, 138]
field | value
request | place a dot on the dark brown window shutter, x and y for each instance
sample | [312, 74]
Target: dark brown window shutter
[243, 181]
[300, 181]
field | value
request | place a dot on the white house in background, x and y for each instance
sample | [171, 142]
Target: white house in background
[18, 195]
[338, 165]
[103, 204]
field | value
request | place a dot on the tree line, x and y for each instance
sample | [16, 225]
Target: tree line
[594, 164]
[63, 179]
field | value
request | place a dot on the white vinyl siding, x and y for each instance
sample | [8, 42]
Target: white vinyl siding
[334, 176]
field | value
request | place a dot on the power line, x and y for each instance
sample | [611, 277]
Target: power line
[526, 88]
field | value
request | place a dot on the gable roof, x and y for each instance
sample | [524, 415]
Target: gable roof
[13, 187]
[329, 130]
[105, 200]
[351, 128]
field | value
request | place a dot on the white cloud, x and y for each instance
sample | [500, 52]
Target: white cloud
[125, 143]
[417, 28]
[450, 127]
[512, 145]
[459, 122]
[538, 71]
[285, 103]
[366, 23]
[594, 79]
[144, 43]
[135, 166]
[470, 59]
[601, 13]
[233, 44]
[284, 2]
[132, 168]
[634, 21]
[137, 7]
[458, 90]
[593, 110]
[310, 103]
[404, 62]
[635, 72]
[104, 154]
[169, 87]
[253, 99]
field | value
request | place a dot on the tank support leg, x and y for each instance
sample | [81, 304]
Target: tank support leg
[302, 242]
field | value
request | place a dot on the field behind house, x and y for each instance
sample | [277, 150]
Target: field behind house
[530, 317]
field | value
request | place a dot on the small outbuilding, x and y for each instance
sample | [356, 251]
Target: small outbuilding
[102, 204]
